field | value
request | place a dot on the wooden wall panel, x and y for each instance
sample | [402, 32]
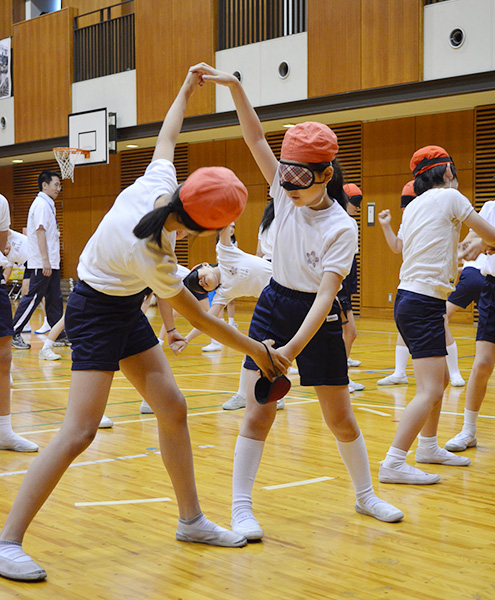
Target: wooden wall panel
[391, 49]
[170, 37]
[388, 147]
[7, 184]
[43, 75]
[6, 19]
[334, 46]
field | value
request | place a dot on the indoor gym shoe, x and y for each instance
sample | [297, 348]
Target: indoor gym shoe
[213, 346]
[105, 423]
[293, 371]
[355, 387]
[392, 380]
[457, 380]
[17, 443]
[281, 404]
[353, 363]
[45, 328]
[145, 408]
[247, 526]
[411, 476]
[235, 403]
[63, 341]
[460, 442]
[381, 510]
[442, 457]
[48, 354]
[16, 564]
[213, 535]
[19, 343]
[27, 328]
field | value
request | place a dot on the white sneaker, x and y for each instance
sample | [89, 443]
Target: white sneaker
[247, 526]
[457, 381]
[145, 408]
[411, 476]
[392, 380]
[293, 371]
[355, 387]
[45, 328]
[105, 423]
[460, 442]
[353, 363]
[440, 456]
[16, 564]
[48, 354]
[281, 404]
[213, 346]
[17, 443]
[214, 535]
[27, 328]
[237, 401]
[381, 510]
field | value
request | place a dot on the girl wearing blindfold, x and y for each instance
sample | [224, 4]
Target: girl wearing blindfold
[314, 243]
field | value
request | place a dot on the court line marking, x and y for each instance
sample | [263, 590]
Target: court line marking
[115, 502]
[297, 483]
[375, 412]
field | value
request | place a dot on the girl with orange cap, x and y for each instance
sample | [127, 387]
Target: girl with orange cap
[430, 227]
[133, 249]
[314, 243]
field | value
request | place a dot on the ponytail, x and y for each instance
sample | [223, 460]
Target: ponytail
[335, 187]
[268, 216]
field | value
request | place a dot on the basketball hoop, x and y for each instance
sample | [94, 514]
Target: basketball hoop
[67, 159]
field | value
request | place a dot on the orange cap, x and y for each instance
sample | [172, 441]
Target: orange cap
[428, 157]
[309, 142]
[408, 194]
[354, 194]
[213, 197]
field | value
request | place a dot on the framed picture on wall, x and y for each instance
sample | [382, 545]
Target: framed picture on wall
[5, 69]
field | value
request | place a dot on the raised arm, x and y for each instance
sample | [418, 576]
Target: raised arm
[248, 119]
[172, 124]
[481, 227]
[394, 243]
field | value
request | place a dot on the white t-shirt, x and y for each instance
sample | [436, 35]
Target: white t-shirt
[42, 212]
[431, 226]
[115, 261]
[241, 274]
[18, 253]
[309, 242]
[265, 239]
[4, 225]
[488, 213]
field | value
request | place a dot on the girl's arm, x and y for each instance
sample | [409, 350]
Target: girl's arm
[172, 124]
[187, 305]
[481, 227]
[394, 243]
[224, 236]
[329, 286]
[215, 310]
[176, 342]
[252, 131]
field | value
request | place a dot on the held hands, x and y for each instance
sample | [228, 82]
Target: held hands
[207, 73]
[471, 249]
[384, 217]
[176, 342]
[278, 360]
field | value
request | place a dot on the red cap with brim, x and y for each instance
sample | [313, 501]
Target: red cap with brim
[428, 157]
[213, 197]
[309, 142]
[354, 194]
[408, 194]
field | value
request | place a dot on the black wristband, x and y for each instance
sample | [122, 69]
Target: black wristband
[170, 330]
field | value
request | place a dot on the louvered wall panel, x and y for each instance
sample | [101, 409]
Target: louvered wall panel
[484, 160]
[133, 164]
[25, 191]
[350, 159]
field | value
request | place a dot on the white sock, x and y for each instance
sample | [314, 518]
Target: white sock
[355, 458]
[247, 458]
[401, 358]
[48, 344]
[231, 321]
[452, 360]
[242, 383]
[428, 443]
[198, 523]
[13, 551]
[395, 458]
[161, 342]
[470, 417]
[5, 425]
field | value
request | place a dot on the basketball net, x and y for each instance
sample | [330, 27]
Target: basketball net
[67, 159]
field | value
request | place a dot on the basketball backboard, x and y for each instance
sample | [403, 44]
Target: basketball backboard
[95, 131]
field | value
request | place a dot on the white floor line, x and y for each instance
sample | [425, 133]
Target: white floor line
[115, 502]
[296, 483]
[375, 412]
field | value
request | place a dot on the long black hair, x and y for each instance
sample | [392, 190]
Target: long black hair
[335, 187]
[151, 225]
[432, 178]
[268, 216]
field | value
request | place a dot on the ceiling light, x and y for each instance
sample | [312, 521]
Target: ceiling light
[132, 146]
[289, 125]
[17, 160]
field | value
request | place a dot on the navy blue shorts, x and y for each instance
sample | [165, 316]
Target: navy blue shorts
[486, 309]
[105, 329]
[469, 287]
[27, 272]
[420, 322]
[279, 314]
[5, 311]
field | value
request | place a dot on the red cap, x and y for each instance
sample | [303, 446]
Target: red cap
[428, 157]
[354, 194]
[408, 189]
[309, 142]
[213, 197]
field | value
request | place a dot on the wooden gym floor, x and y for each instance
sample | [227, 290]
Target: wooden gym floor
[119, 544]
